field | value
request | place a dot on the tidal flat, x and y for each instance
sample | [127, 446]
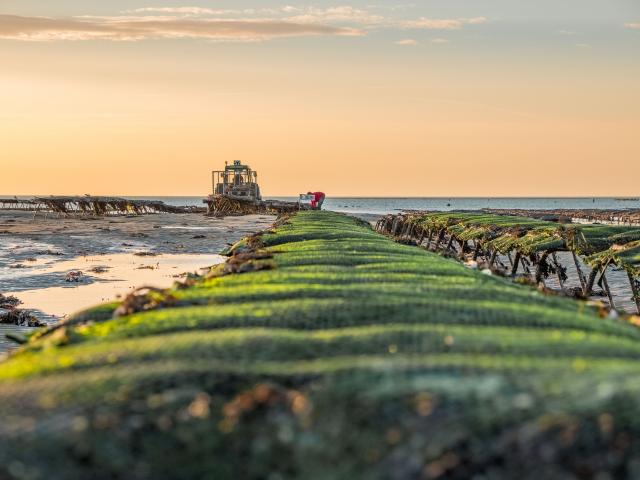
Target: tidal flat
[115, 254]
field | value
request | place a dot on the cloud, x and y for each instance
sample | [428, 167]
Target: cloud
[342, 14]
[442, 23]
[203, 11]
[339, 14]
[178, 10]
[409, 42]
[250, 24]
[439, 41]
[141, 28]
[635, 26]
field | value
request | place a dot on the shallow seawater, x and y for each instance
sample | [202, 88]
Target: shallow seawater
[44, 288]
[5, 343]
[617, 279]
[384, 205]
[189, 227]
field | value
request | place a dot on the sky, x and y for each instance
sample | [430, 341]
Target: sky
[365, 98]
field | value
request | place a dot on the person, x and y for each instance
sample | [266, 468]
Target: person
[318, 200]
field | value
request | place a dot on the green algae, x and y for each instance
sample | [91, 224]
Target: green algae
[504, 234]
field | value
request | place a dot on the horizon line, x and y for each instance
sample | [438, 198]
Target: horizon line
[394, 197]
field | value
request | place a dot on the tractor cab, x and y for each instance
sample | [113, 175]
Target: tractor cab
[237, 181]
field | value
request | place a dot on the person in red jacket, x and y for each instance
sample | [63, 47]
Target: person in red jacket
[318, 200]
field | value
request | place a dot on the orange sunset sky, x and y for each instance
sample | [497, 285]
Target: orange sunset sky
[435, 98]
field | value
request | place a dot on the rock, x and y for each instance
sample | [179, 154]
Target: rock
[20, 318]
[9, 302]
[74, 276]
[143, 299]
[50, 252]
[98, 269]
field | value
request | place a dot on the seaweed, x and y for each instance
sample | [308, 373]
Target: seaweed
[529, 240]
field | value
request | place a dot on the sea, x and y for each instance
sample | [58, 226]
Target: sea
[386, 205]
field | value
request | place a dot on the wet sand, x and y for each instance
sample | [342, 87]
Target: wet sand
[104, 278]
[23, 235]
[115, 254]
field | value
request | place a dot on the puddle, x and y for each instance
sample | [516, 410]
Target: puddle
[186, 227]
[6, 344]
[44, 288]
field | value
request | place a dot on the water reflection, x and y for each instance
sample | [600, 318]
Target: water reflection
[104, 277]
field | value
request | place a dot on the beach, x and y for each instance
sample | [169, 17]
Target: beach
[115, 255]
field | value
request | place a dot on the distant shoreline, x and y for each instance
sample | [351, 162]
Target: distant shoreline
[385, 205]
